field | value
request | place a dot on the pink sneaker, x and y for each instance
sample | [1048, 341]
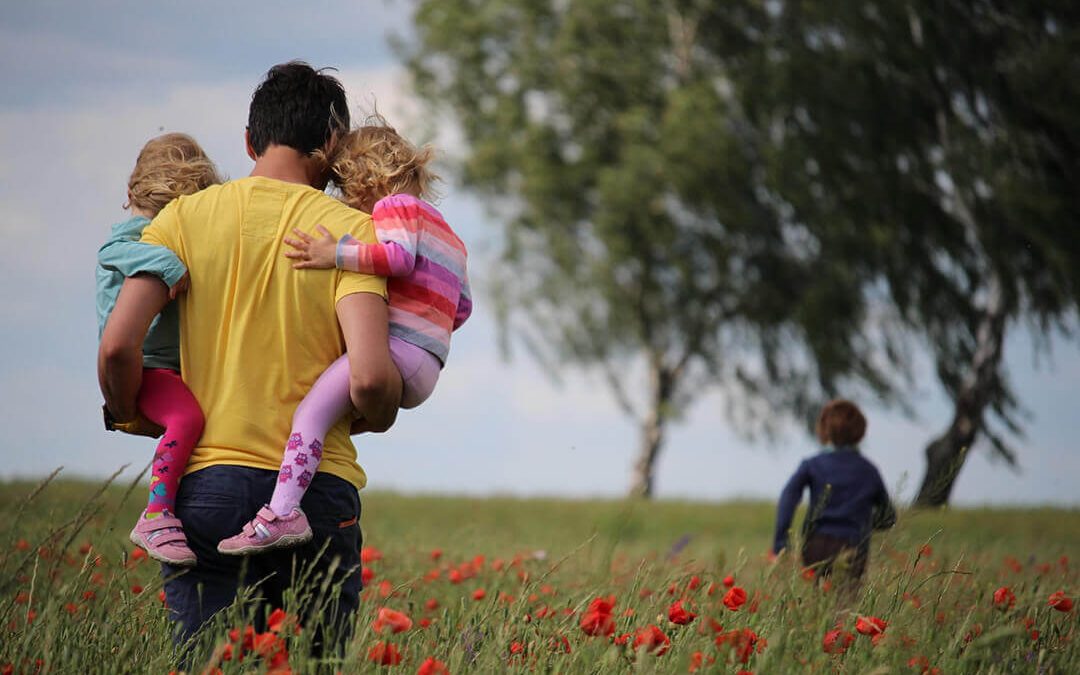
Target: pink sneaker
[266, 531]
[163, 539]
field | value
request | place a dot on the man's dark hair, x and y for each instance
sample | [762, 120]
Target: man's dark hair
[296, 106]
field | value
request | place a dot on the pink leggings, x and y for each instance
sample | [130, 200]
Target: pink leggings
[325, 404]
[165, 400]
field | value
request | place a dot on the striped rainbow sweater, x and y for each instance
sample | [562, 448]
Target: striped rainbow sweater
[424, 262]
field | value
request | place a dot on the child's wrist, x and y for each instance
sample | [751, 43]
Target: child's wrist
[339, 253]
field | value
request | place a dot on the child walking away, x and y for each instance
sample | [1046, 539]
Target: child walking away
[847, 498]
[168, 166]
[379, 172]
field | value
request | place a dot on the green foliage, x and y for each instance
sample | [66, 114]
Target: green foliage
[70, 538]
[644, 226]
[935, 147]
[780, 198]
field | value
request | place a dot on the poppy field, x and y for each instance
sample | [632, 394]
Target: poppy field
[458, 585]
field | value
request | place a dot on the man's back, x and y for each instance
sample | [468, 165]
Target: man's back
[256, 334]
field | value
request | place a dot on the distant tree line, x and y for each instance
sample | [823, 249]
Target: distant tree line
[782, 200]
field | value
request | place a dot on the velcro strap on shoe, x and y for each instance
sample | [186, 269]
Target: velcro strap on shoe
[159, 538]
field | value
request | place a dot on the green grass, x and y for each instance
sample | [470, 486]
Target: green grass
[66, 562]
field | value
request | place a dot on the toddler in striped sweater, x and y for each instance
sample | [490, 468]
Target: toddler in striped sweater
[380, 172]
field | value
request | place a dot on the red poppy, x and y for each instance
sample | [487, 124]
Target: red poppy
[745, 642]
[926, 551]
[436, 554]
[837, 641]
[397, 622]
[734, 598]
[678, 614]
[268, 646]
[366, 575]
[386, 589]
[621, 639]
[597, 618]
[559, 643]
[455, 576]
[138, 554]
[384, 654]
[695, 582]
[729, 581]
[870, 625]
[431, 604]
[369, 554]
[1059, 601]
[280, 620]
[22, 545]
[698, 659]
[922, 664]
[1004, 598]
[652, 639]
[432, 666]
[136, 588]
[425, 622]
[479, 594]
[517, 650]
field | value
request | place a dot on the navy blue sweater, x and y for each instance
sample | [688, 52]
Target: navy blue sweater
[847, 498]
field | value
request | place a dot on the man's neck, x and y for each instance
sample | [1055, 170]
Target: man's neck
[283, 163]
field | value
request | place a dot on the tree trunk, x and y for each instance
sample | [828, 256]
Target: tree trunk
[661, 387]
[946, 454]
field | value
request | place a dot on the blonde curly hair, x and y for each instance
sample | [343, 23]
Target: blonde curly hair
[374, 161]
[169, 166]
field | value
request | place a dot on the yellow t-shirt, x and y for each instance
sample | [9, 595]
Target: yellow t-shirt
[255, 334]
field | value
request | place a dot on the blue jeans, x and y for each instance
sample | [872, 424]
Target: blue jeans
[216, 502]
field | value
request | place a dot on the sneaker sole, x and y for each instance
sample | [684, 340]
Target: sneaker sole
[179, 562]
[286, 541]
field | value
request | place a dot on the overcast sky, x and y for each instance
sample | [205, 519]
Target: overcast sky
[85, 86]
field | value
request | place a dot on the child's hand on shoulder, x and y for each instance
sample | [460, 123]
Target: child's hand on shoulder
[313, 252]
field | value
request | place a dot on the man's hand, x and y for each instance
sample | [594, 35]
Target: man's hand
[140, 426]
[181, 286]
[313, 253]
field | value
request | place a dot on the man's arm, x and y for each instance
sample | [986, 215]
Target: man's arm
[141, 298]
[374, 381]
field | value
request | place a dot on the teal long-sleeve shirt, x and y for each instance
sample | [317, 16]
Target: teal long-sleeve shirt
[123, 256]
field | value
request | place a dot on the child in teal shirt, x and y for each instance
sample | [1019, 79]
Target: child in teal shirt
[168, 166]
